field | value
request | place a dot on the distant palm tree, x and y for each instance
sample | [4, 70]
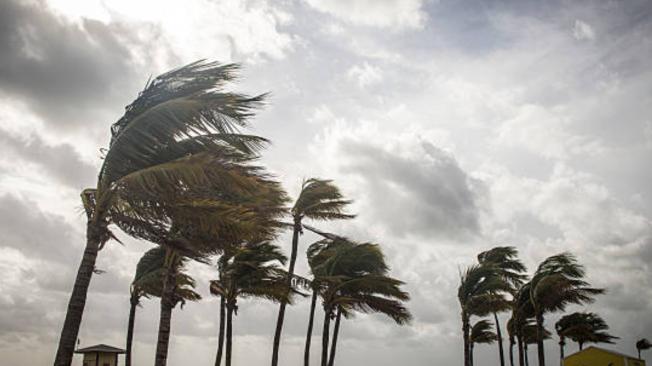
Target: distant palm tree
[642, 345]
[531, 335]
[148, 281]
[318, 200]
[557, 283]
[522, 312]
[582, 328]
[252, 271]
[512, 270]
[481, 286]
[481, 333]
[160, 145]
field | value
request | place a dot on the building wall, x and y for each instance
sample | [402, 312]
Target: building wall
[105, 359]
[597, 357]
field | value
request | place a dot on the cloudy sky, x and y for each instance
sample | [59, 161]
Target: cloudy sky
[455, 126]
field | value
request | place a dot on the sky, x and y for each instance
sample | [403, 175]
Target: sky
[454, 125]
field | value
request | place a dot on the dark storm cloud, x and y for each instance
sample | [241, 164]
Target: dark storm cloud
[64, 71]
[60, 162]
[429, 196]
[35, 234]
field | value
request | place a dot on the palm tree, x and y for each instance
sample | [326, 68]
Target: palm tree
[350, 277]
[148, 281]
[318, 200]
[512, 270]
[530, 334]
[642, 345]
[481, 333]
[181, 120]
[251, 271]
[481, 287]
[522, 312]
[557, 283]
[582, 328]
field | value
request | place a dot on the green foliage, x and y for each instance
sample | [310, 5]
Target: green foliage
[482, 332]
[320, 199]
[583, 328]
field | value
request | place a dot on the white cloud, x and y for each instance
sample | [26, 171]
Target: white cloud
[365, 74]
[395, 14]
[583, 31]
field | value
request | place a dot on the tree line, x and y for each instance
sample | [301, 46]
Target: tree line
[499, 283]
[181, 173]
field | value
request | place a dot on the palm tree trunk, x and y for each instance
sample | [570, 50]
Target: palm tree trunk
[540, 350]
[500, 341]
[130, 328]
[581, 345]
[281, 310]
[527, 361]
[511, 351]
[471, 354]
[465, 334]
[220, 337]
[336, 332]
[561, 350]
[521, 356]
[229, 333]
[77, 301]
[165, 320]
[324, 337]
[306, 353]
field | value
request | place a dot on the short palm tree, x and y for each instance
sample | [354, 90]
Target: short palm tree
[642, 345]
[531, 335]
[522, 311]
[481, 287]
[254, 270]
[557, 283]
[582, 328]
[481, 333]
[350, 277]
[512, 271]
[318, 200]
[148, 282]
[182, 120]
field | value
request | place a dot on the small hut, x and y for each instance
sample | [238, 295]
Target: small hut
[100, 355]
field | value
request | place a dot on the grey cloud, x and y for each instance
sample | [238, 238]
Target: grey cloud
[431, 196]
[61, 161]
[64, 71]
[34, 233]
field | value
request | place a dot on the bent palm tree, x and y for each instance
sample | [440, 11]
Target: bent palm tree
[481, 288]
[531, 335]
[148, 281]
[582, 328]
[512, 270]
[161, 144]
[481, 333]
[557, 283]
[252, 271]
[641, 345]
[318, 200]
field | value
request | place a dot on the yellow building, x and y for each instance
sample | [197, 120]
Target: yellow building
[100, 355]
[594, 356]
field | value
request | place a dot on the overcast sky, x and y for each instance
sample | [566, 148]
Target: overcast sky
[454, 125]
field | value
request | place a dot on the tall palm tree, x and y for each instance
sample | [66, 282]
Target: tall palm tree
[582, 328]
[148, 281]
[512, 270]
[557, 283]
[252, 271]
[318, 200]
[481, 286]
[161, 144]
[481, 333]
[642, 345]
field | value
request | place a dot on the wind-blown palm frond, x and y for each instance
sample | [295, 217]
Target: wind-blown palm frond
[482, 332]
[320, 199]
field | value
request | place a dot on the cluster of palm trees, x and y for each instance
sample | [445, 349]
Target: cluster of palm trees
[180, 173]
[498, 283]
